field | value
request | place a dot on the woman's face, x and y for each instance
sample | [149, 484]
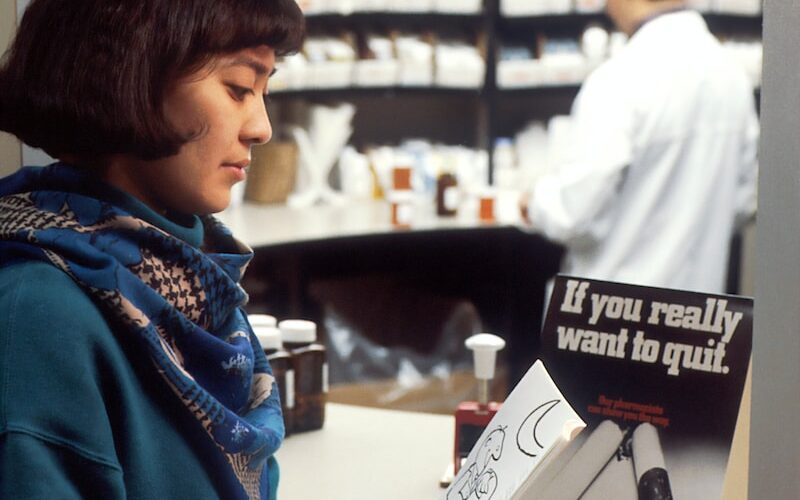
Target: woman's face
[225, 102]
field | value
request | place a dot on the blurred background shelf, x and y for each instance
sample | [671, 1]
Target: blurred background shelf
[476, 116]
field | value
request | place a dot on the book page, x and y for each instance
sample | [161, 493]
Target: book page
[584, 466]
[551, 464]
[531, 422]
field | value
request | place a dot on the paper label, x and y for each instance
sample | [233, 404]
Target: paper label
[451, 198]
[405, 212]
[289, 396]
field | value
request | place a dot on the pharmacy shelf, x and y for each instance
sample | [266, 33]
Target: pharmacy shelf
[344, 93]
[544, 20]
[491, 111]
[395, 19]
[561, 89]
[740, 24]
[540, 90]
[722, 24]
[571, 20]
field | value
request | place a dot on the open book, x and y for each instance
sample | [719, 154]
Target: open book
[534, 448]
[534, 424]
[604, 462]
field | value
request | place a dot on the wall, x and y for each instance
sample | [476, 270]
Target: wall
[775, 442]
[10, 152]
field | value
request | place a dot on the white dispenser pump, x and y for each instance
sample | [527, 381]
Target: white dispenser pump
[484, 347]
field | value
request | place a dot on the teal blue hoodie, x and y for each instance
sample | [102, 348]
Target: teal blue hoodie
[80, 415]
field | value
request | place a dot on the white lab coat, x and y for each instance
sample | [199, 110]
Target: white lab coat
[661, 165]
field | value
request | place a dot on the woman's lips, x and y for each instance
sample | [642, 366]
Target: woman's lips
[238, 170]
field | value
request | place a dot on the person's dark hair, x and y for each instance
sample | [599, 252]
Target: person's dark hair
[88, 77]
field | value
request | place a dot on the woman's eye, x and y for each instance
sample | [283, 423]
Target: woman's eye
[239, 92]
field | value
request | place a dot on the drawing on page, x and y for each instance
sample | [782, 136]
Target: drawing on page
[479, 481]
[527, 441]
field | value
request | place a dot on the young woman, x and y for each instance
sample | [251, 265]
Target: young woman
[127, 366]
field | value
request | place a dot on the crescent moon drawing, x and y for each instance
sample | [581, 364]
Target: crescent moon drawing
[527, 442]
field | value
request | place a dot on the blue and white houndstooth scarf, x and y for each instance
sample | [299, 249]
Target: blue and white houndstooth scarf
[182, 302]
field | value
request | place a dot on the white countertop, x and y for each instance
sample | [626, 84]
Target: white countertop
[367, 454]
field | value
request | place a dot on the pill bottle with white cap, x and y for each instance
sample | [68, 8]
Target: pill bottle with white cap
[309, 361]
[262, 320]
[280, 360]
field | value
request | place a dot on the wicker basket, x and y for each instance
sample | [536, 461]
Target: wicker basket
[272, 172]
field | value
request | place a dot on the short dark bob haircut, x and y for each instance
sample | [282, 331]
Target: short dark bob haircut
[88, 77]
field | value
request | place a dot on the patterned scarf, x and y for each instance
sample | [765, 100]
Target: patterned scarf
[183, 303]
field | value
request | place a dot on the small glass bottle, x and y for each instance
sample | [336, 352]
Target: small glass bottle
[446, 195]
[309, 360]
[281, 362]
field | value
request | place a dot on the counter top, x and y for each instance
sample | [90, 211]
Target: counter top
[277, 224]
[367, 453]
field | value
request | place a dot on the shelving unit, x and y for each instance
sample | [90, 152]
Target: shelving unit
[503, 274]
[318, 22]
[473, 117]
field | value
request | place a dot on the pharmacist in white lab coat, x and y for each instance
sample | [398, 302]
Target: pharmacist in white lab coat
[661, 165]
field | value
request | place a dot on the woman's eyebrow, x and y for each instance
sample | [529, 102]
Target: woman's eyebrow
[259, 68]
